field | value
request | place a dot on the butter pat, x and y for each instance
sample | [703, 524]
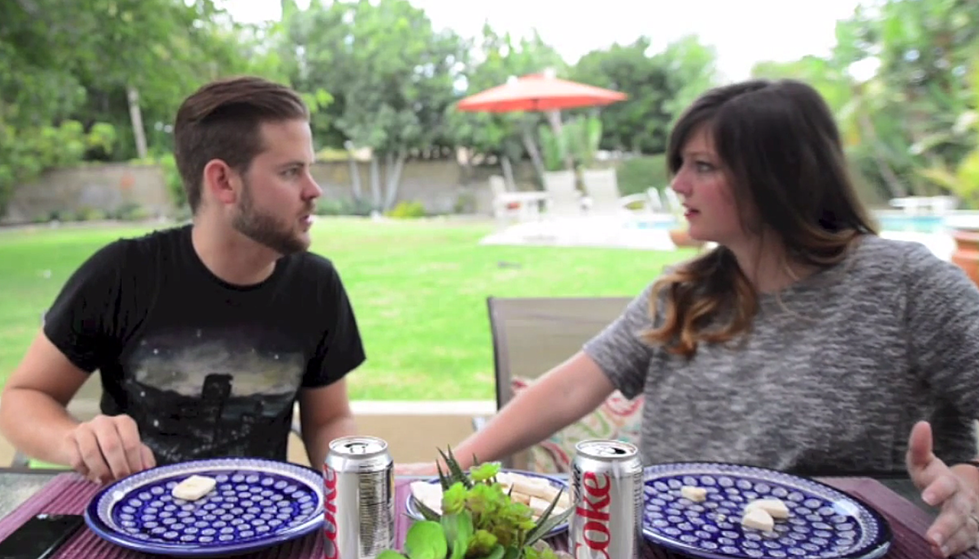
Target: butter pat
[758, 519]
[193, 488]
[695, 494]
[774, 507]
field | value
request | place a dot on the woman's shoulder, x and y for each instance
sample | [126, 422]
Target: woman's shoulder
[900, 261]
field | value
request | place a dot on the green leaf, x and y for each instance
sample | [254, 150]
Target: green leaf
[426, 512]
[390, 554]
[483, 543]
[455, 469]
[426, 540]
[544, 527]
[497, 552]
[458, 529]
[454, 498]
[485, 472]
[443, 479]
[546, 523]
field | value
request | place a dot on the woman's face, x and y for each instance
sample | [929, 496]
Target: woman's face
[707, 196]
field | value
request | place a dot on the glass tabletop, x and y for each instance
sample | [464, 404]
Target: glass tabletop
[16, 486]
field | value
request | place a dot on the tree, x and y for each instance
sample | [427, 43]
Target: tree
[391, 76]
[659, 86]
[908, 109]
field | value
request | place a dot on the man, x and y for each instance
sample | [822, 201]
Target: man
[205, 335]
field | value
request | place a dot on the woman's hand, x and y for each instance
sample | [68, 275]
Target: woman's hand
[957, 527]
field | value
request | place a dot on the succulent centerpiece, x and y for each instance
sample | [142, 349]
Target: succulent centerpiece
[479, 520]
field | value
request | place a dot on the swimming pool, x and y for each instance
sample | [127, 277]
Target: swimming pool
[913, 223]
[888, 221]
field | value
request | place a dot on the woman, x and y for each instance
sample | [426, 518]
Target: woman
[803, 342]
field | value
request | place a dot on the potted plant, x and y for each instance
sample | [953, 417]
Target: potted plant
[681, 238]
[479, 521]
[680, 234]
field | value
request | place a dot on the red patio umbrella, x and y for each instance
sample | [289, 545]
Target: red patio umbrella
[539, 92]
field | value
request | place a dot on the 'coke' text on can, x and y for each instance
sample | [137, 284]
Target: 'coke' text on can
[607, 488]
[358, 483]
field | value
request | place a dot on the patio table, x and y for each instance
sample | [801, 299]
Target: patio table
[24, 493]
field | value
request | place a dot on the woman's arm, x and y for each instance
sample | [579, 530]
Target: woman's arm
[562, 396]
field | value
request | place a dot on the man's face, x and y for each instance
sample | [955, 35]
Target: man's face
[278, 193]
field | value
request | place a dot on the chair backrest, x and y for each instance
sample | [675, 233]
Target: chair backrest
[532, 335]
[602, 187]
[673, 202]
[562, 193]
[655, 200]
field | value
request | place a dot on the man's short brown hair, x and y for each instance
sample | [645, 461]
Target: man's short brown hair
[221, 120]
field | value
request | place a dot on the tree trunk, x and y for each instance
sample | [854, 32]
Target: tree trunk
[136, 116]
[355, 176]
[508, 172]
[535, 158]
[376, 182]
[393, 174]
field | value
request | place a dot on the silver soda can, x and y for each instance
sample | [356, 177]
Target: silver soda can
[358, 483]
[606, 485]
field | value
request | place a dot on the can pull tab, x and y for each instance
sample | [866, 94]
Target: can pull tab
[358, 448]
[612, 451]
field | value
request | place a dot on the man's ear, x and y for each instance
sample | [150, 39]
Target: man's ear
[221, 181]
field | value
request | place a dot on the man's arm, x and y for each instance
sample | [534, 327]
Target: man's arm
[40, 388]
[80, 334]
[325, 415]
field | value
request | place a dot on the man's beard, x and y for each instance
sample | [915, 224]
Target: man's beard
[264, 228]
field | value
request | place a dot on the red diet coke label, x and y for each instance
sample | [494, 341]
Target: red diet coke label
[331, 548]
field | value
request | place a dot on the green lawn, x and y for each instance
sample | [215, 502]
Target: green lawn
[418, 288]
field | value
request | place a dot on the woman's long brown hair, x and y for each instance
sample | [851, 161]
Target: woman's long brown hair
[785, 163]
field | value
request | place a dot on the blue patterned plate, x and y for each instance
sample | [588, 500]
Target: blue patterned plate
[413, 512]
[823, 522]
[256, 503]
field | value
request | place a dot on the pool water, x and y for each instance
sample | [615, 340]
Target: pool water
[901, 223]
[913, 223]
[663, 224]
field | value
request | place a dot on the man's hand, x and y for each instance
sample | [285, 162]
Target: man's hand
[957, 527]
[107, 448]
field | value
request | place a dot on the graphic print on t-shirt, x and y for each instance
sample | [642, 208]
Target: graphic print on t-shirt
[205, 393]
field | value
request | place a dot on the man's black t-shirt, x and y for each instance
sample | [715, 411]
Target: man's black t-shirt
[207, 369]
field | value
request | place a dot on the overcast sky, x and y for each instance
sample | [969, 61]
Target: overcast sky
[742, 31]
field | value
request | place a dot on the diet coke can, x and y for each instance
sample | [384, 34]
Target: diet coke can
[358, 482]
[606, 485]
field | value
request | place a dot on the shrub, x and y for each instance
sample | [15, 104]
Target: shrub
[343, 206]
[407, 210]
[636, 174]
